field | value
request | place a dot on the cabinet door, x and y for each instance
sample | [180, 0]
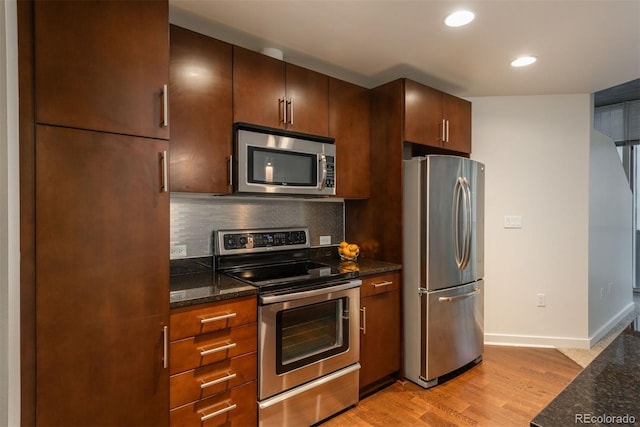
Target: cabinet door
[379, 337]
[102, 65]
[258, 88]
[458, 113]
[423, 114]
[308, 93]
[102, 279]
[201, 113]
[349, 125]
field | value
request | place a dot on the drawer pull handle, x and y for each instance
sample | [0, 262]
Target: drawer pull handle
[218, 412]
[216, 318]
[218, 381]
[385, 283]
[217, 349]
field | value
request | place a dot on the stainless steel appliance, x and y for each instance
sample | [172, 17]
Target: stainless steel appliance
[308, 324]
[443, 269]
[274, 161]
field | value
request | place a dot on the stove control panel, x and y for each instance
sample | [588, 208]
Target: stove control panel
[245, 241]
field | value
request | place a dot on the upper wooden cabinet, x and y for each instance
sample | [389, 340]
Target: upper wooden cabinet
[201, 113]
[273, 93]
[103, 65]
[436, 118]
[349, 125]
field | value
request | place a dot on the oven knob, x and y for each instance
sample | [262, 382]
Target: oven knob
[230, 242]
[243, 240]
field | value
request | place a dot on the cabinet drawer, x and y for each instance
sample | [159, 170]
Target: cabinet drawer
[212, 347]
[188, 322]
[235, 407]
[212, 379]
[379, 284]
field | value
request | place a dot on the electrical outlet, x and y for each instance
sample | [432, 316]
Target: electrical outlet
[178, 251]
[325, 240]
[541, 300]
[512, 221]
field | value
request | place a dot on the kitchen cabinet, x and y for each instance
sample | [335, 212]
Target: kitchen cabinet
[102, 278]
[201, 113]
[270, 92]
[436, 119]
[213, 364]
[103, 65]
[379, 330]
[349, 126]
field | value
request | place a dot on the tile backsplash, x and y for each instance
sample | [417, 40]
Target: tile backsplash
[194, 218]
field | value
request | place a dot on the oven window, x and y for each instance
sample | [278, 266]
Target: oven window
[310, 333]
[279, 167]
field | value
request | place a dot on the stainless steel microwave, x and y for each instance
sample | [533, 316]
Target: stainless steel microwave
[277, 162]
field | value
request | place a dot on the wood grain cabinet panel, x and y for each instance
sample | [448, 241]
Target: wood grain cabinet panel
[102, 279]
[203, 318]
[349, 125]
[215, 367]
[436, 119]
[236, 407]
[212, 347]
[103, 65]
[380, 330]
[201, 112]
[270, 92]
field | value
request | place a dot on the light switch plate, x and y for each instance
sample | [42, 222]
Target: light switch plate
[512, 221]
[325, 240]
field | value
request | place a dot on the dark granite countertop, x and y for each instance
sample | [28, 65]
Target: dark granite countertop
[193, 280]
[605, 392]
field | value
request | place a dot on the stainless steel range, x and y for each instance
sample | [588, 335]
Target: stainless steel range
[308, 324]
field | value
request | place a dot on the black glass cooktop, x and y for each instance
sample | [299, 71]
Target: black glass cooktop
[289, 276]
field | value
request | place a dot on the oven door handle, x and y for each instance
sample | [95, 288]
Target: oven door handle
[271, 299]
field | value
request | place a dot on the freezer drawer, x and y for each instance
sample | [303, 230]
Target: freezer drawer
[453, 334]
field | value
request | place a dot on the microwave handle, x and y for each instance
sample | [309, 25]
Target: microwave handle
[323, 167]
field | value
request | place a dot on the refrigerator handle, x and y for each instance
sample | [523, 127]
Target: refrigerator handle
[457, 192]
[466, 192]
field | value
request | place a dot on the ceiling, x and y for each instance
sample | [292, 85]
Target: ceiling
[582, 46]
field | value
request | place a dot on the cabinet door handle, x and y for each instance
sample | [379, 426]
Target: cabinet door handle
[165, 347]
[216, 318]
[218, 412]
[217, 349]
[290, 103]
[381, 284]
[165, 172]
[363, 328]
[283, 109]
[442, 131]
[447, 132]
[218, 381]
[231, 169]
[165, 106]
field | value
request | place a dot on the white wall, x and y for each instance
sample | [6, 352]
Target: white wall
[610, 238]
[9, 220]
[536, 151]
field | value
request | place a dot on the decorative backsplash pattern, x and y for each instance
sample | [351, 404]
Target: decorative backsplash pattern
[194, 218]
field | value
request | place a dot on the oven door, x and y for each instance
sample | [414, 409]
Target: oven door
[306, 335]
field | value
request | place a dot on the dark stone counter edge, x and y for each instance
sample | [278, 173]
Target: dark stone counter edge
[205, 287]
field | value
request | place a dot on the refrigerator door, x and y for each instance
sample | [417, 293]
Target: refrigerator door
[454, 335]
[452, 217]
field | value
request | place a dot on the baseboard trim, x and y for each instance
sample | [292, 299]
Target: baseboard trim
[611, 324]
[535, 341]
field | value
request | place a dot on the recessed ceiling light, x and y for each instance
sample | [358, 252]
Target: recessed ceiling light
[523, 61]
[459, 18]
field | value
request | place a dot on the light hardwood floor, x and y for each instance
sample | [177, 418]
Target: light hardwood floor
[508, 388]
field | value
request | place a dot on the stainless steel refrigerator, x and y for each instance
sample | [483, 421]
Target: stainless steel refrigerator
[443, 268]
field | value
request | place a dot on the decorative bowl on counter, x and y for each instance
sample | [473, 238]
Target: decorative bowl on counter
[348, 251]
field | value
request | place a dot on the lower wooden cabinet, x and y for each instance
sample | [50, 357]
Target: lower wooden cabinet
[213, 364]
[379, 331]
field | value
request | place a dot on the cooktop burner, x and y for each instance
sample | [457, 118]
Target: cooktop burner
[273, 260]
